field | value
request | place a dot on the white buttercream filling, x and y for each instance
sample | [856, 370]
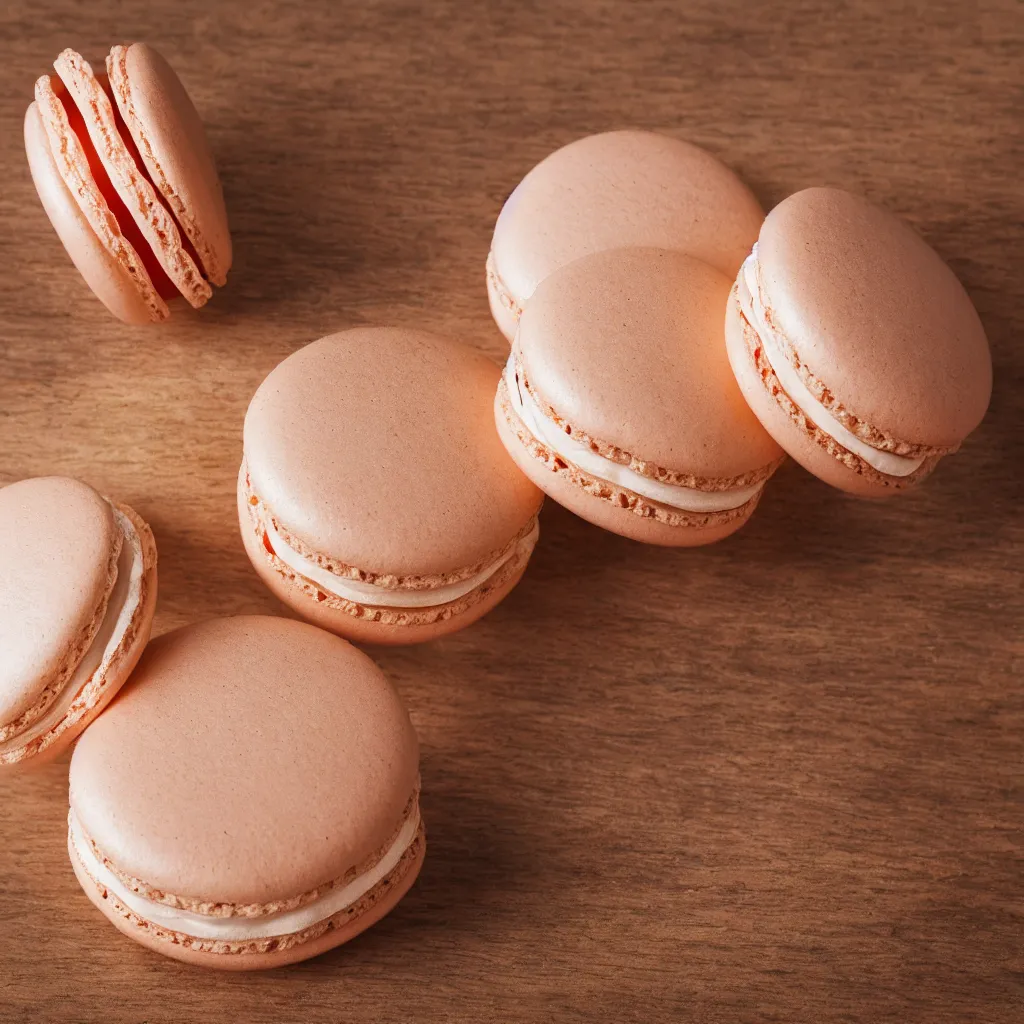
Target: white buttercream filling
[688, 499]
[122, 606]
[385, 597]
[792, 383]
[234, 929]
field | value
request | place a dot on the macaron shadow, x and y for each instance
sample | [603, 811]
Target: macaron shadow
[302, 215]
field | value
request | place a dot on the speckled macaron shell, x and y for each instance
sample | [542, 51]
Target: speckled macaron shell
[252, 760]
[625, 347]
[375, 448]
[615, 189]
[58, 574]
[880, 328]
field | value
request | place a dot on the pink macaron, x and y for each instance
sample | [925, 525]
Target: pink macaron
[855, 344]
[77, 595]
[619, 403]
[121, 163]
[621, 188]
[251, 799]
[374, 497]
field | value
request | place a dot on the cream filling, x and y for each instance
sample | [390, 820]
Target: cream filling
[789, 378]
[235, 929]
[382, 597]
[688, 499]
[122, 606]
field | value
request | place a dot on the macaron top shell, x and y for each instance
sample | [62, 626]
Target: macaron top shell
[57, 565]
[251, 760]
[876, 318]
[171, 140]
[623, 188]
[376, 447]
[626, 348]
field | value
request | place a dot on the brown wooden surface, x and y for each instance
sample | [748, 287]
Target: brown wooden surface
[778, 779]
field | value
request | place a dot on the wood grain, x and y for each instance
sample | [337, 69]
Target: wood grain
[776, 780]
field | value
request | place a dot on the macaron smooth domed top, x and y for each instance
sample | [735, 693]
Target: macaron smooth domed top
[625, 346]
[376, 447]
[57, 565]
[620, 188]
[252, 760]
[876, 317]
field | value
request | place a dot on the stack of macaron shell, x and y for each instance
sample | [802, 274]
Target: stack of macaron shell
[615, 189]
[124, 172]
[77, 595]
[619, 402]
[375, 498]
[251, 800]
[855, 344]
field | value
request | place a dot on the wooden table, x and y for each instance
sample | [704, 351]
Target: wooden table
[777, 779]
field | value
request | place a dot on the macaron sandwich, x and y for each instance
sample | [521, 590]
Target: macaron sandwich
[374, 496]
[77, 596]
[855, 344]
[251, 800]
[121, 163]
[618, 400]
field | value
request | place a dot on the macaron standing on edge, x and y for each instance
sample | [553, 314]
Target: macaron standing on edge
[122, 166]
[375, 498]
[855, 344]
[78, 588]
[252, 800]
[618, 400]
[615, 189]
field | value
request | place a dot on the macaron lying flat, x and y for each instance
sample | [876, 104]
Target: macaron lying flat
[622, 188]
[855, 344]
[251, 800]
[124, 172]
[77, 596]
[618, 400]
[375, 498]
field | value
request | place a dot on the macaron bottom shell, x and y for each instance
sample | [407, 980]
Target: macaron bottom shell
[802, 440]
[360, 629]
[390, 892]
[603, 512]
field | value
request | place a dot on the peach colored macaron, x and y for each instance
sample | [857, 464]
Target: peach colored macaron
[375, 498]
[618, 400]
[121, 163]
[77, 595]
[621, 188]
[855, 344]
[251, 799]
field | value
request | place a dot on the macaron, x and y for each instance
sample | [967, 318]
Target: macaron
[77, 596]
[619, 403]
[374, 496]
[621, 188]
[855, 344]
[251, 800]
[121, 163]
